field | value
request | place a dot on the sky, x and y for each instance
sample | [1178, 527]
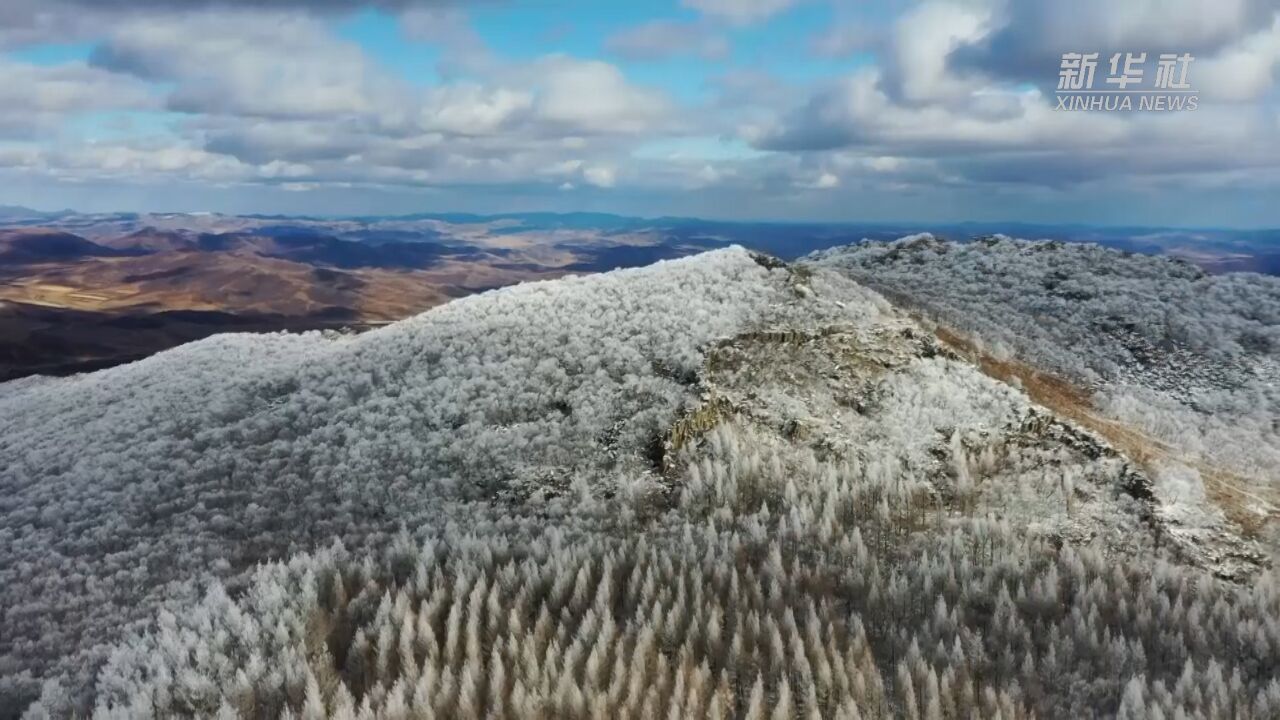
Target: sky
[930, 111]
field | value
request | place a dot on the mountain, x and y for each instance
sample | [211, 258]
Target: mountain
[152, 240]
[718, 486]
[89, 291]
[276, 272]
[1187, 363]
[43, 340]
[1215, 249]
[38, 246]
[17, 213]
[72, 303]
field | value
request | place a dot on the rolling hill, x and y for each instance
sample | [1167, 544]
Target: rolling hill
[103, 277]
[720, 486]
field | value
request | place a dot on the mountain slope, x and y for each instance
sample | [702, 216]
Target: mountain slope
[231, 450]
[1188, 364]
[719, 486]
[33, 246]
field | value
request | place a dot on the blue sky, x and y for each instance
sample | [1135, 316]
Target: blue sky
[937, 110]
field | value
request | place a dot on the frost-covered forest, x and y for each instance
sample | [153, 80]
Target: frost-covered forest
[1093, 312]
[715, 487]
[1190, 360]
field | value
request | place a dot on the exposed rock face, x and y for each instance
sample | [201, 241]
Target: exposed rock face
[875, 389]
[1177, 369]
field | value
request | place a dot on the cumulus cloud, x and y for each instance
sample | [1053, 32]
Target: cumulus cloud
[20, 7]
[1017, 137]
[947, 96]
[924, 38]
[1033, 35]
[592, 96]
[821, 181]
[858, 111]
[258, 141]
[24, 22]
[289, 66]
[270, 95]
[660, 39]
[844, 39]
[448, 27]
[258, 64]
[471, 109]
[130, 162]
[601, 176]
[66, 88]
[740, 12]
[1245, 70]
[35, 100]
[955, 92]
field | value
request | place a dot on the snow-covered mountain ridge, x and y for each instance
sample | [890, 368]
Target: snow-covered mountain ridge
[1179, 367]
[719, 486]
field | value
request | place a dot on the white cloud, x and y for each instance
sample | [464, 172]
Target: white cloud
[943, 113]
[1138, 24]
[281, 169]
[449, 28]
[740, 12]
[600, 176]
[24, 22]
[660, 39]
[37, 99]
[1031, 145]
[100, 161]
[277, 95]
[592, 96]
[884, 163]
[923, 40]
[1033, 35]
[823, 181]
[260, 64]
[707, 175]
[474, 109]
[845, 39]
[1244, 71]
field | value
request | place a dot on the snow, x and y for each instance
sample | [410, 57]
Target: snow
[717, 482]
[242, 448]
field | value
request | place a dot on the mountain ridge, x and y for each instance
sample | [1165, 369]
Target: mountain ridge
[724, 411]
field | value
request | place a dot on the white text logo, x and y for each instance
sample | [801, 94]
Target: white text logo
[1126, 84]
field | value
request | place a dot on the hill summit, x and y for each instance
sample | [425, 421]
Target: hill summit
[721, 486]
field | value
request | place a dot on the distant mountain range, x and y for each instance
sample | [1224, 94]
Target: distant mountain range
[1215, 249]
[92, 289]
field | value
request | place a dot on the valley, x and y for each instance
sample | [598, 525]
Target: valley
[94, 290]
